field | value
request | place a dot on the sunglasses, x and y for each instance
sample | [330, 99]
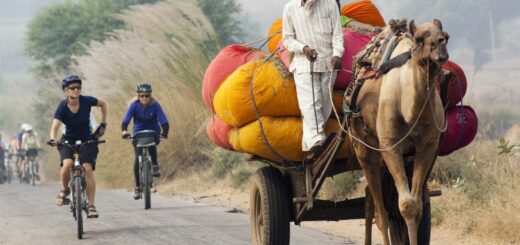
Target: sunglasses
[144, 96]
[74, 88]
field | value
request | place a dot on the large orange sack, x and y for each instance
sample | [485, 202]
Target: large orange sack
[284, 135]
[363, 11]
[226, 61]
[273, 89]
[275, 34]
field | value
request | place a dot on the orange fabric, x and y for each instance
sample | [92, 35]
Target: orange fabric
[363, 11]
[276, 33]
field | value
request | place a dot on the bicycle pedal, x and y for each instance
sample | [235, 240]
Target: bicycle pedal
[66, 201]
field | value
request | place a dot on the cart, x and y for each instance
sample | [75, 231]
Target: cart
[282, 194]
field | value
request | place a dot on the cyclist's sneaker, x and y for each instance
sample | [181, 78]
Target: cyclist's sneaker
[156, 171]
[62, 196]
[92, 212]
[137, 193]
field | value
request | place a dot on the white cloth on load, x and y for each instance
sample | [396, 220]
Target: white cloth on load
[313, 135]
[320, 31]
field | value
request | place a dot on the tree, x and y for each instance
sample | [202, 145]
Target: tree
[65, 29]
[223, 16]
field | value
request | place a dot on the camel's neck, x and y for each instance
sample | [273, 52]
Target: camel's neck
[419, 90]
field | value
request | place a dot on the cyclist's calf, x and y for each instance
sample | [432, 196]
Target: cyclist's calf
[65, 173]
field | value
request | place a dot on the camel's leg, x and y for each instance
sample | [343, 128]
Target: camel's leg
[407, 202]
[369, 216]
[423, 162]
[370, 162]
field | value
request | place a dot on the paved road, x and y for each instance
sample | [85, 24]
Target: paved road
[28, 216]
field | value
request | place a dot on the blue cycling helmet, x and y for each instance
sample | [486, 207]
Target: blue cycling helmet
[70, 79]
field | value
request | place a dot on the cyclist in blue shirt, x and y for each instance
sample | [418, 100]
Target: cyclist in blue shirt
[148, 115]
[74, 112]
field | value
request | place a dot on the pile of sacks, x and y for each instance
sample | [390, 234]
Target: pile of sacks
[243, 84]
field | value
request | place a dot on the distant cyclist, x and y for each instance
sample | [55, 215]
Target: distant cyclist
[13, 151]
[74, 112]
[3, 153]
[148, 115]
[31, 145]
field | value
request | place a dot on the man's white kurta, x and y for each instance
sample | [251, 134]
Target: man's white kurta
[320, 29]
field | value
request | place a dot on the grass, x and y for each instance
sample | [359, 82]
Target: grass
[481, 196]
[161, 47]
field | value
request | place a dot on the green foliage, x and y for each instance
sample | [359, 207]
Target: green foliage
[223, 16]
[65, 29]
[504, 147]
[343, 184]
[223, 162]
[240, 177]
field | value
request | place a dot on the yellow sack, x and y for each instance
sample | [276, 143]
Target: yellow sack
[274, 93]
[284, 135]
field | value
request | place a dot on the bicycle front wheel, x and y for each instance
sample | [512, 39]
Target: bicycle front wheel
[147, 177]
[78, 205]
[33, 173]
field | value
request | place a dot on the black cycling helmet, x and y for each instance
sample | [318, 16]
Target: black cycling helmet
[70, 79]
[144, 88]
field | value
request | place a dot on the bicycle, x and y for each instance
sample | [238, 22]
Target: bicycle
[30, 172]
[8, 168]
[143, 140]
[77, 183]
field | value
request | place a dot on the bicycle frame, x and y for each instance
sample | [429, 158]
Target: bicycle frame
[77, 183]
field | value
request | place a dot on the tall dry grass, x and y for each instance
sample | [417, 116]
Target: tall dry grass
[483, 197]
[168, 45]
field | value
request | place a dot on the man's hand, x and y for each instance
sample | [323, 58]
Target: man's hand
[336, 63]
[126, 135]
[310, 53]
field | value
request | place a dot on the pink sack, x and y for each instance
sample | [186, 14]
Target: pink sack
[218, 132]
[284, 55]
[225, 63]
[353, 43]
[462, 129]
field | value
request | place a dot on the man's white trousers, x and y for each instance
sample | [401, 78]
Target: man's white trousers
[314, 123]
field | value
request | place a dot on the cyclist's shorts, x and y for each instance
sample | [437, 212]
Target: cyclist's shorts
[31, 153]
[88, 154]
[21, 154]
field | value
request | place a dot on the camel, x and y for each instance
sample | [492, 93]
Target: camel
[401, 113]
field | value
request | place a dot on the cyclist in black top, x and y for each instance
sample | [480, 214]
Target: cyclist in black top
[74, 112]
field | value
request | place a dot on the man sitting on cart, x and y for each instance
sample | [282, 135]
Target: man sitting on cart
[312, 31]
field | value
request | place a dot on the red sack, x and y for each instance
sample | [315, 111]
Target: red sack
[225, 63]
[218, 132]
[462, 129]
[457, 86]
[353, 43]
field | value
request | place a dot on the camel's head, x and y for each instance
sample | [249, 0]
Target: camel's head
[429, 42]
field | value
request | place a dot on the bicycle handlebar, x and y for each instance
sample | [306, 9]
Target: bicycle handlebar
[59, 144]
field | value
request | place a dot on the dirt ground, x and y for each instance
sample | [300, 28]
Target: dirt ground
[222, 193]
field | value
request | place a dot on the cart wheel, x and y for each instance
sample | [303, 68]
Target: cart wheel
[397, 225]
[269, 209]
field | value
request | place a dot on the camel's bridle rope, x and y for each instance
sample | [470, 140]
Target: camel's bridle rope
[409, 131]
